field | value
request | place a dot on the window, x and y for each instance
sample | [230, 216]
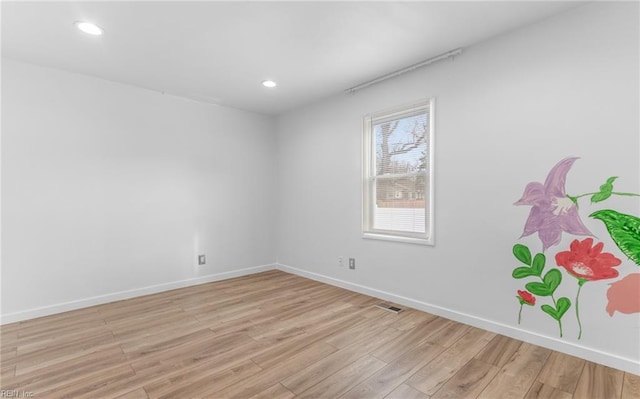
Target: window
[398, 174]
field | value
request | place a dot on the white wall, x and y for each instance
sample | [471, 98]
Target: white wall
[110, 188]
[507, 110]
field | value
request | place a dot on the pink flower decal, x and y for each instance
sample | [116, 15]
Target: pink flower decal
[624, 295]
[552, 212]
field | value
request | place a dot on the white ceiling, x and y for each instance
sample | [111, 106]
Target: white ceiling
[219, 52]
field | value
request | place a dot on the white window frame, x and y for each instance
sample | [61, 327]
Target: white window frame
[369, 176]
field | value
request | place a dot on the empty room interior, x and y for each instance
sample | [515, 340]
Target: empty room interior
[393, 200]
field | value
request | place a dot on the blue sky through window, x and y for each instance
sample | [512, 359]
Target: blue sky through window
[406, 144]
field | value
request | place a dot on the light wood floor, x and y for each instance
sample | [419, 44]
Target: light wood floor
[275, 335]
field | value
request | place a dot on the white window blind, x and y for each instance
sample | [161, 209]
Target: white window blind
[398, 163]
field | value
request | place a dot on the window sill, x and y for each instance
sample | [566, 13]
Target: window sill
[408, 240]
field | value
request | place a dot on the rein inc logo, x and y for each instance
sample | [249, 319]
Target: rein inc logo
[15, 393]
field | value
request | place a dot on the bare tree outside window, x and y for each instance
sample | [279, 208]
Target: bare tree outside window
[400, 160]
[390, 145]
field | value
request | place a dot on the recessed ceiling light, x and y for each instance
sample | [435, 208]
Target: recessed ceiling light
[269, 83]
[89, 28]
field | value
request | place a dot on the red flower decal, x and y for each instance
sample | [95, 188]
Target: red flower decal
[527, 297]
[587, 261]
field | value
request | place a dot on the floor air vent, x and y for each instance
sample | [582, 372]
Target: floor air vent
[389, 308]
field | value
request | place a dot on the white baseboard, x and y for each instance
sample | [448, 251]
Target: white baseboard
[607, 359]
[118, 296]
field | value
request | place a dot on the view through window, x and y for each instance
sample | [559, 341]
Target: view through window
[398, 163]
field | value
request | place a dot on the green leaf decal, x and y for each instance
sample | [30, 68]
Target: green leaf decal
[599, 197]
[624, 230]
[550, 282]
[534, 270]
[605, 190]
[522, 253]
[525, 271]
[538, 263]
[562, 305]
[550, 310]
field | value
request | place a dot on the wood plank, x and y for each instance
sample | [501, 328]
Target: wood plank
[184, 367]
[136, 394]
[191, 353]
[542, 391]
[410, 319]
[434, 375]
[35, 336]
[141, 328]
[345, 379]
[160, 385]
[306, 378]
[65, 372]
[253, 385]
[364, 301]
[499, 351]
[315, 324]
[8, 345]
[122, 312]
[9, 330]
[218, 313]
[272, 329]
[243, 324]
[631, 386]
[518, 375]
[449, 334]
[395, 373]
[405, 391]
[141, 351]
[158, 336]
[88, 387]
[410, 339]
[7, 371]
[280, 353]
[562, 372]
[469, 381]
[348, 336]
[205, 383]
[41, 360]
[277, 391]
[599, 381]
[58, 338]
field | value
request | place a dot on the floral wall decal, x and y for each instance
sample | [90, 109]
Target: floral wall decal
[554, 212]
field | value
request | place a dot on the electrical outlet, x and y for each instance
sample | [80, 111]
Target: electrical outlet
[352, 263]
[201, 260]
[340, 261]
